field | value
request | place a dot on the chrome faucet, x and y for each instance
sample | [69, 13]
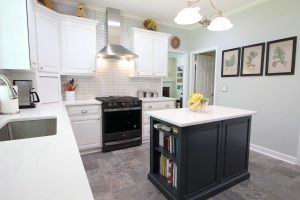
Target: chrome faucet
[12, 92]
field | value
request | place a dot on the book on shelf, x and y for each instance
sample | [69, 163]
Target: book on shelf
[168, 142]
[168, 169]
[165, 127]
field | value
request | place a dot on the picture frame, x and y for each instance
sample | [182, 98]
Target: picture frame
[281, 57]
[252, 63]
[231, 62]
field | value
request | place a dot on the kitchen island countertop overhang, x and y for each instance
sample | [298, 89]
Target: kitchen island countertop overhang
[184, 117]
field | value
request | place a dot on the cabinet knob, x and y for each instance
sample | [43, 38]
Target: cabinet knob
[149, 107]
[84, 111]
[41, 67]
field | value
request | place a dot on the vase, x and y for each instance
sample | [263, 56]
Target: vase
[70, 95]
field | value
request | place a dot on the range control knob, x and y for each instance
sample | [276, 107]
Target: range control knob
[123, 104]
[115, 104]
[109, 104]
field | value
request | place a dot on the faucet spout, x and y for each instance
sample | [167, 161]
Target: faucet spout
[12, 92]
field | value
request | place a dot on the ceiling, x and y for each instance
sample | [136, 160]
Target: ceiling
[164, 11]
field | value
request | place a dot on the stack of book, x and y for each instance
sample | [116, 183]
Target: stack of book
[166, 128]
[168, 142]
[168, 169]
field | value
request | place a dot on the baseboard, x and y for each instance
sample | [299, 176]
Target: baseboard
[274, 154]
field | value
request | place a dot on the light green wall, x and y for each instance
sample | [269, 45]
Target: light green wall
[276, 99]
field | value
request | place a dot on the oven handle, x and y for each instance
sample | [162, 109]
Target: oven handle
[122, 109]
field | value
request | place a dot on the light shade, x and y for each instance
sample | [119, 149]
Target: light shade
[220, 24]
[187, 16]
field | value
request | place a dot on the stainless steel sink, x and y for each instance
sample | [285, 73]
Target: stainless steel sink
[28, 129]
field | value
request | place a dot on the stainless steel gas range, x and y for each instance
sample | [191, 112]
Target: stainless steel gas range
[121, 122]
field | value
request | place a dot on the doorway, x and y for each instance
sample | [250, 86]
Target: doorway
[175, 84]
[203, 74]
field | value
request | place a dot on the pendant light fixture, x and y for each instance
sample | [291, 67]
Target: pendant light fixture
[190, 15]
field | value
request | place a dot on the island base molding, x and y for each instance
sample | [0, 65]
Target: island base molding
[201, 195]
[208, 158]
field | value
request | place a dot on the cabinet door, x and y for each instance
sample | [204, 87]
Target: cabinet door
[202, 160]
[14, 49]
[160, 56]
[48, 42]
[49, 88]
[32, 34]
[235, 147]
[143, 48]
[79, 48]
[87, 132]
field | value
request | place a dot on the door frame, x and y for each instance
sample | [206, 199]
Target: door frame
[192, 71]
[185, 75]
[298, 149]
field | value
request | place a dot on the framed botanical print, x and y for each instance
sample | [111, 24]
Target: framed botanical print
[231, 62]
[253, 60]
[281, 57]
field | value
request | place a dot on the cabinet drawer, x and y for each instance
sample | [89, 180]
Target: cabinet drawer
[84, 110]
[159, 105]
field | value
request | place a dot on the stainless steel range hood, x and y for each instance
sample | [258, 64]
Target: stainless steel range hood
[113, 49]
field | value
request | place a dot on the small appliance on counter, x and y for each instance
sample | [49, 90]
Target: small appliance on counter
[8, 97]
[27, 98]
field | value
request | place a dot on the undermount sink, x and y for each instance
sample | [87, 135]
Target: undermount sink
[28, 129]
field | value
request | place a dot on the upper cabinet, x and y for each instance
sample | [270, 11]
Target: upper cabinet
[14, 44]
[48, 40]
[78, 45]
[152, 50]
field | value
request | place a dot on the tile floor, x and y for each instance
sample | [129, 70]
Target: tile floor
[122, 175]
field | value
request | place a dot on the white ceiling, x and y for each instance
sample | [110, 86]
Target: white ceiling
[164, 11]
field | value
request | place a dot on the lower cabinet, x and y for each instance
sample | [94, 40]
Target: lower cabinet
[86, 124]
[153, 105]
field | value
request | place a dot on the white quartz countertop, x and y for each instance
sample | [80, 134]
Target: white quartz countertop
[158, 99]
[44, 168]
[83, 102]
[184, 117]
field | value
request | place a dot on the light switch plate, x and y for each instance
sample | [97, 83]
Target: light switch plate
[224, 89]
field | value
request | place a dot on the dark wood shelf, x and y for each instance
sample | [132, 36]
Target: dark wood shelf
[166, 153]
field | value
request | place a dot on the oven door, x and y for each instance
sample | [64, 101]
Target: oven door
[122, 120]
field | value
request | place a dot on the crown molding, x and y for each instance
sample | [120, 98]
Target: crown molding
[187, 28]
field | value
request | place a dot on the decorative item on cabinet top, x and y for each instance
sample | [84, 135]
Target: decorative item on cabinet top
[150, 24]
[48, 3]
[175, 42]
[81, 10]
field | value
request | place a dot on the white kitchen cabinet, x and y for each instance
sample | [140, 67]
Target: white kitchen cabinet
[78, 45]
[87, 132]
[160, 56]
[152, 50]
[14, 48]
[32, 34]
[86, 123]
[143, 47]
[153, 105]
[49, 88]
[48, 40]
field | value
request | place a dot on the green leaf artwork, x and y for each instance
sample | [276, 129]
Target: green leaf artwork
[230, 63]
[279, 57]
[250, 58]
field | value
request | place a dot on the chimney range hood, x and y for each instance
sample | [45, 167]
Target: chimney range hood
[113, 49]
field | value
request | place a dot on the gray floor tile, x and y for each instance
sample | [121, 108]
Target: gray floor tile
[122, 175]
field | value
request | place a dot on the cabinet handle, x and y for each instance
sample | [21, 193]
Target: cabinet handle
[149, 107]
[84, 111]
[34, 63]
[167, 105]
